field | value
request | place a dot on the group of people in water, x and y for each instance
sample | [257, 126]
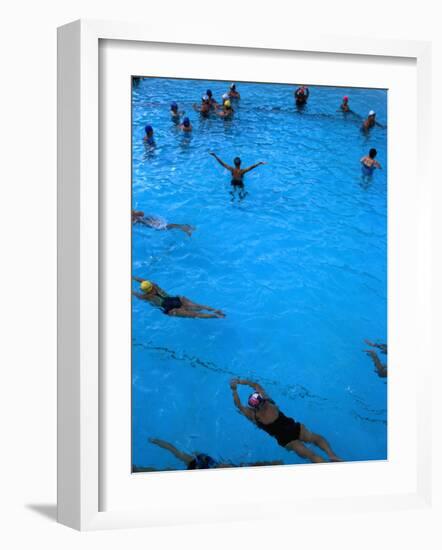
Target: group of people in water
[261, 410]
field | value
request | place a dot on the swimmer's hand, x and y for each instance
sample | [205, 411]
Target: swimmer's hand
[234, 383]
[261, 163]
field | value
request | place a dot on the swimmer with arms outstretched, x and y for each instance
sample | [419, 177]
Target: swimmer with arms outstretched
[236, 171]
[291, 435]
[369, 164]
[158, 223]
[200, 461]
[175, 306]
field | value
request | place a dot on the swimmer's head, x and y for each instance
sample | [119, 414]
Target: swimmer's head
[237, 162]
[233, 87]
[227, 104]
[345, 99]
[372, 153]
[371, 113]
[148, 129]
[174, 106]
[146, 286]
[209, 93]
[256, 400]
[186, 122]
[205, 98]
[225, 97]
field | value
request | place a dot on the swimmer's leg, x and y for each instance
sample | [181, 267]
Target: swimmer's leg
[380, 368]
[192, 306]
[187, 459]
[310, 437]
[182, 227]
[181, 312]
[301, 450]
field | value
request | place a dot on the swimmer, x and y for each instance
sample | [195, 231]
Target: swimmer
[201, 461]
[370, 122]
[158, 223]
[301, 95]
[236, 171]
[204, 108]
[369, 164]
[174, 112]
[212, 101]
[345, 107]
[291, 435]
[233, 93]
[381, 369]
[186, 126]
[148, 138]
[227, 110]
[175, 306]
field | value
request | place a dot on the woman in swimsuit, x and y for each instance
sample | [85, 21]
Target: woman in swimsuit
[199, 461]
[176, 306]
[236, 171]
[291, 435]
[204, 108]
[369, 163]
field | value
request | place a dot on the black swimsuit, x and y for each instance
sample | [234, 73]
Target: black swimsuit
[237, 183]
[170, 302]
[283, 429]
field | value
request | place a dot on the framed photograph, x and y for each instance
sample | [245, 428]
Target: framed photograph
[242, 258]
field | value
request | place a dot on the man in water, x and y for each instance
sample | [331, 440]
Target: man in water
[369, 164]
[175, 306]
[381, 369]
[236, 170]
[233, 93]
[148, 138]
[186, 126]
[204, 108]
[199, 461]
[156, 222]
[301, 95]
[291, 435]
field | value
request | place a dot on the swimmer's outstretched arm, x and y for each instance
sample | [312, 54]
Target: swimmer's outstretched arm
[137, 294]
[214, 155]
[253, 385]
[243, 410]
[380, 368]
[253, 166]
[184, 457]
[138, 279]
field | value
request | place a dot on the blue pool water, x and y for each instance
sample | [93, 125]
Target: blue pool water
[299, 266]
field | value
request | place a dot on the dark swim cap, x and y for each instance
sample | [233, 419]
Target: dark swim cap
[209, 93]
[236, 161]
[148, 129]
[174, 105]
[186, 121]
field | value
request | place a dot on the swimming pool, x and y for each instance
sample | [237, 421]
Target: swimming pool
[299, 266]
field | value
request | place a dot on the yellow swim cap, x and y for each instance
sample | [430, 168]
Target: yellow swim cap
[146, 286]
[227, 103]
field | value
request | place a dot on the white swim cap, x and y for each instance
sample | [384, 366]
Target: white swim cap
[371, 113]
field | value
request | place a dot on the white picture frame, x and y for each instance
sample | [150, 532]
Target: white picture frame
[79, 274]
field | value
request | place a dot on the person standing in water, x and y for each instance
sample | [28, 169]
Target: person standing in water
[236, 170]
[175, 306]
[199, 461]
[227, 110]
[186, 126]
[148, 138]
[345, 107]
[301, 95]
[155, 222]
[291, 435]
[204, 108]
[369, 164]
[175, 114]
[233, 93]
